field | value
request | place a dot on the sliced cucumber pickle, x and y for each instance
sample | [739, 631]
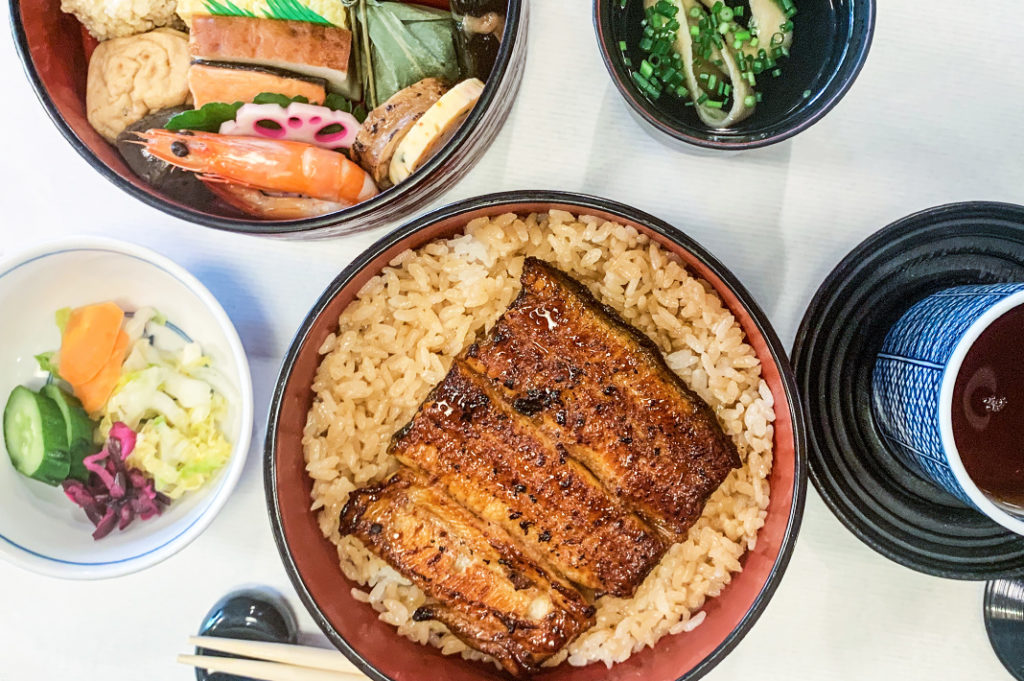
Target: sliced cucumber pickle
[79, 429]
[36, 436]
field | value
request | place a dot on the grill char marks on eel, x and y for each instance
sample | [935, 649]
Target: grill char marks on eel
[602, 389]
[480, 585]
[495, 462]
[560, 448]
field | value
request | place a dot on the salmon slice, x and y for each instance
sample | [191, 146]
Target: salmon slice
[495, 462]
[478, 582]
[228, 83]
[602, 389]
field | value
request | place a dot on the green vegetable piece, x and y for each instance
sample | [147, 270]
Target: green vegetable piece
[36, 437]
[341, 103]
[79, 428]
[46, 363]
[274, 98]
[211, 116]
[208, 119]
[62, 316]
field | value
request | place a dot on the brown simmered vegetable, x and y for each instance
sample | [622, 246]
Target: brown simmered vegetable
[135, 76]
[481, 26]
[386, 126]
[177, 184]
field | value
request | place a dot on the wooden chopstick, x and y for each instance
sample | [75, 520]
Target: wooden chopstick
[303, 656]
[265, 671]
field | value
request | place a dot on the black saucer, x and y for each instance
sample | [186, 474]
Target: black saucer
[890, 507]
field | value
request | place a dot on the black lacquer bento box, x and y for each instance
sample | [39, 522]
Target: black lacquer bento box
[54, 49]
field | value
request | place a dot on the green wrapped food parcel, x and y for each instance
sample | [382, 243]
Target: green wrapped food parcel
[406, 44]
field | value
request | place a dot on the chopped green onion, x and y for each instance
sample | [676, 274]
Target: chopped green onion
[776, 73]
[622, 45]
[807, 93]
[666, 8]
[725, 14]
[711, 82]
[646, 69]
[713, 103]
[749, 101]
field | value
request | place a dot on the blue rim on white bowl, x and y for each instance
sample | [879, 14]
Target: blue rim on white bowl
[63, 546]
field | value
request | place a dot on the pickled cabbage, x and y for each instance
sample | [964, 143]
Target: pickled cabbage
[176, 403]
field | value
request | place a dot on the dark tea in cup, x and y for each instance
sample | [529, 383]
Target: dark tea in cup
[988, 410]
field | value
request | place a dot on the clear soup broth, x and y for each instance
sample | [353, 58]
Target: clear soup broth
[988, 410]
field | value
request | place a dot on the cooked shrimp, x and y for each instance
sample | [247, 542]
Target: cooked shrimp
[252, 201]
[272, 165]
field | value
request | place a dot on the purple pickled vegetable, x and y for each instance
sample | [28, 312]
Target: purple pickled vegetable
[125, 437]
[106, 525]
[127, 515]
[115, 494]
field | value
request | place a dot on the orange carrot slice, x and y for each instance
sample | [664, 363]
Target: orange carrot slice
[88, 341]
[95, 392]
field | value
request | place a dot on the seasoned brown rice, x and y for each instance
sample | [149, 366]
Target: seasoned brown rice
[397, 339]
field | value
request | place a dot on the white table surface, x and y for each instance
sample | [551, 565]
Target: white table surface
[933, 118]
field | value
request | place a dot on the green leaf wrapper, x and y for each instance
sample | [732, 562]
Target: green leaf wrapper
[408, 43]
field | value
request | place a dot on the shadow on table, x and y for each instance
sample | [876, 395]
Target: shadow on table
[244, 309]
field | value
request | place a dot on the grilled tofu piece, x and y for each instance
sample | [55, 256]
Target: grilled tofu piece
[602, 389]
[498, 464]
[478, 582]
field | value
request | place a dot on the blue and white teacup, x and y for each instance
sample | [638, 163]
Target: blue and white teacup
[913, 381]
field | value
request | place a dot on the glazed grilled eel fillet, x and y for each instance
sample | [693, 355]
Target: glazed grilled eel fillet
[560, 447]
[496, 463]
[602, 389]
[480, 584]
